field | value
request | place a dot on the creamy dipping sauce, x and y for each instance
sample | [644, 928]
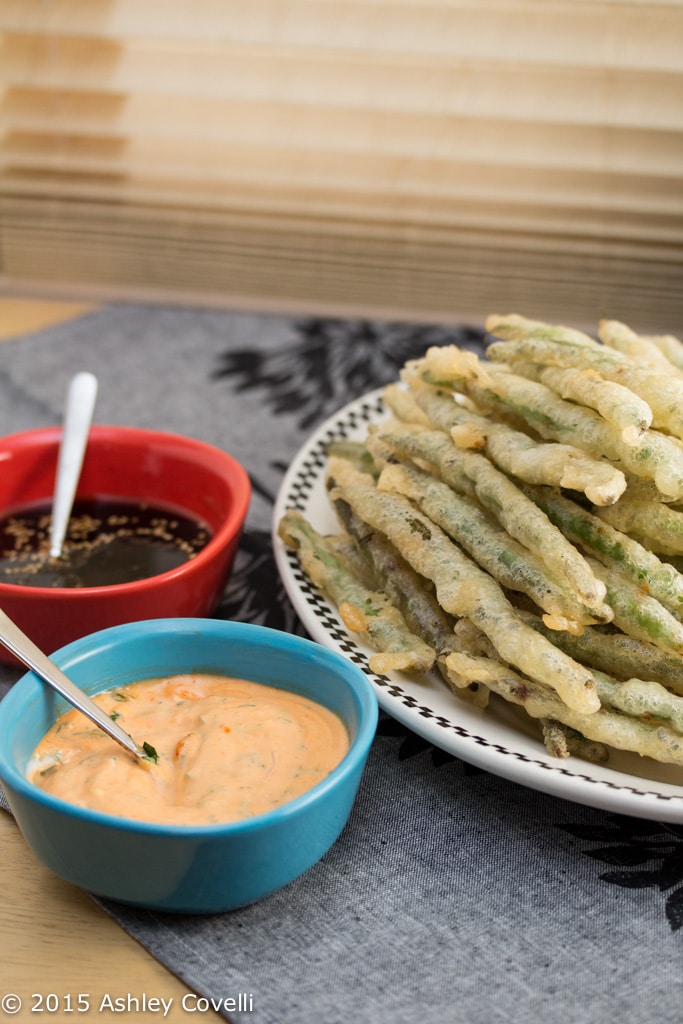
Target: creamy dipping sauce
[227, 749]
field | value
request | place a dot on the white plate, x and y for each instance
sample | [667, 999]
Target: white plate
[499, 739]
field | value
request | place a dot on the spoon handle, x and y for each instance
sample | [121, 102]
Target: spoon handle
[80, 405]
[26, 651]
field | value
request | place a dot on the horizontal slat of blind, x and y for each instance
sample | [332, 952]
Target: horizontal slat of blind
[553, 127]
[482, 89]
[458, 138]
[626, 34]
[511, 193]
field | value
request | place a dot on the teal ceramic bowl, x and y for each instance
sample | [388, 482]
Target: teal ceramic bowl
[186, 869]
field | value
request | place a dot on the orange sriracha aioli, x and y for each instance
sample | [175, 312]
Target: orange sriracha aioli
[227, 749]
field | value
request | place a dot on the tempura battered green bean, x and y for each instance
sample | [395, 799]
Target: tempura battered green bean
[470, 473]
[521, 456]
[613, 547]
[629, 413]
[641, 698]
[622, 656]
[516, 327]
[658, 457]
[650, 737]
[355, 451]
[663, 351]
[513, 565]
[554, 737]
[561, 741]
[637, 614]
[663, 392]
[346, 550]
[401, 402]
[366, 612]
[659, 526]
[402, 585]
[466, 529]
[462, 588]
[408, 592]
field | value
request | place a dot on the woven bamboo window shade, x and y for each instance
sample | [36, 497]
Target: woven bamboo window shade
[430, 157]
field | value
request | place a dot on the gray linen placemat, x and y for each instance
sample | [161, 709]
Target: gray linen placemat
[452, 895]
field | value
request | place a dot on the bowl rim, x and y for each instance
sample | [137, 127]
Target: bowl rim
[352, 675]
[232, 469]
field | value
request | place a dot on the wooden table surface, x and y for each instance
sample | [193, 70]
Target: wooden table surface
[56, 943]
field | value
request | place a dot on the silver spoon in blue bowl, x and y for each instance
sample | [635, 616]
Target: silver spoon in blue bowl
[23, 648]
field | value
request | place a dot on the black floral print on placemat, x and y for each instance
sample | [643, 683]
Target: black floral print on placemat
[255, 592]
[329, 362]
[640, 855]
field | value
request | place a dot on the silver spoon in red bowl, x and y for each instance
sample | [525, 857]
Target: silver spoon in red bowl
[78, 413]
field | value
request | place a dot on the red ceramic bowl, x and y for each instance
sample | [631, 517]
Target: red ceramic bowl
[205, 482]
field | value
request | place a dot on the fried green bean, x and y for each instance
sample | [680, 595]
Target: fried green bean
[457, 536]
[639, 615]
[402, 585]
[462, 587]
[606, 654]
[518, 327]
[658, 457]
[343, 546]
[554, 737]
[530, 460]
[401, 402]
[613, 547]
[621, 656]
[663, 392]
[664, 350]
[514, 566]
[366, 612]
[355, 451]
[626, 411]
[641, 698]
[470, 473]
[649, 737]
[669, 345]
[657, 525]
[409, 592]
[561, 741]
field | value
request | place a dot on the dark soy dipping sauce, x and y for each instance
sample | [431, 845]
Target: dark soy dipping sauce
[108, 541]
